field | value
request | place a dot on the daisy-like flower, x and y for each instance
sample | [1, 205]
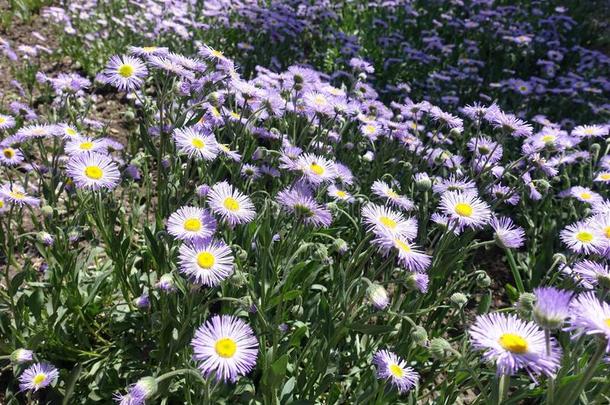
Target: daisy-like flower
[148, 50]
[10, 156]
[6, 121]
[126, 73]
[591, 274]
[93, 171]
[514, 344]
[511, 124]
[408, 254]
[206, 262]
[465, 208]
[590, 316]
[298, 200]
[584, 194]
[394, 369]
[35, 131]
[38, 376]
[552, 307]
[383, 190]
[384, 221]
[196, 144]
[418, 281]
[231, 154]
[15, 194]
[340, 194]
[233, 206]
[588, 131]
[81, 145]
[507, 234]
[603, 176]
[316, 169]
[138, 393]
[191, 223]
[226, 348]
[583, 237]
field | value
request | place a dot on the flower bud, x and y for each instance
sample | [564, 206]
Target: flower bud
[21, 356]
[483, 280]
[458, 300]
[45, 238]
[419, 335]
[526, 302]
[47, 211]
[146, 387]
[439, 348]
[378, 296]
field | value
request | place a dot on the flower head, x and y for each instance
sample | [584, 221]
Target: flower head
[394, 369]
[191, 223]
[232, 205]
[196, 143]
[206, 262]
[125, 72]
[15, 194]
[552, 307]
[506, 233]
[590, 316]
[37, 376]
[465, 209]
[93, 171]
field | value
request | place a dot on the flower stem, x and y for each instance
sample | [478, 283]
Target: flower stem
[595, 359]
[550, 394]
[503, 385]
[515, 271]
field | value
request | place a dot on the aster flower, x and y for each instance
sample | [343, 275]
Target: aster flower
[10, 156]
[383, 190]
[506, 233]
[196, 144]
[206, 262]
[511, 124]
[138, 393]
[340, 194]
[231, 154]
[591, 274]
[465, 208]
[233, 206]
[15, 194]
[93, 171]
[584, 194]
[251, 172]
[589, 131]
[191, 223]
[148, 50]
[552, 307]
[298, 200]
[125, 72]
[418, 281]
[22, 356]
[315, 169]
[166, 283]
[582, 237]
[37, 376]
[394, 369]
[454, 184]
[408, 254]
[602, 176]
[34, 132]
[6, 122]
[590, 316]
[514, 344]
[226, 348]
[82, 145]
[382, 220]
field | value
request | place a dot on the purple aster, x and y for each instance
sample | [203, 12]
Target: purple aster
[394, 369]
[552, 307]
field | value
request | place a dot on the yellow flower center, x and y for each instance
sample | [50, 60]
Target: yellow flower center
[39, 379]
[198, 143]
[607, 322]
[94, 172]
[586, 196]
[604, 176]
[463, 209]
[589, 131]
[548, 138]
[320, 100]
[316, 168]
[1, 204]
[192, 224]
[17, 195]
[2, 120]
[86, 145]
[215, 111]
[369, 129]
[396, 370]
[402, 245]
[607, 232]
[216, 53]
[149, 48]
[584, 236]
[388, 222]
[126, 71]
[513, 343]
[9, 153]
[231, 204]
[70, 131]
[225, 347]
[205, 260]
[341, 194]
[392, 194]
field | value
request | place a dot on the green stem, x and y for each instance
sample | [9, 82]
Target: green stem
[591, 368]
[503, 385]
[513, 268]
[550, 394]
[181, 371]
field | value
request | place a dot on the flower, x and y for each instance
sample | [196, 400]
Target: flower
[299, 200]
[226, 348]
[590, 316]
[315, 169]
[6, 121]
[552, 307]
[191, 223]
[408, 255]
[15, 194]
[20, 356]
[590, 274]
[93, 171]
[383, 190]
[138, 393]
[126, 73]
[590, 131]
[582, 237]
[393, 368]
[233, 206]
[196, 144]
[465, 208]
[506, 233]
[37, 376]
[340, 194]
[206, 262]
[418, 281]
[10, 156]
[382, 220]
[514, 344]
[81, 145]
[166, 283]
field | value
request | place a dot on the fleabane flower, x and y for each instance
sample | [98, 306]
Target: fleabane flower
[299, 201]
[340, 194]
[126, 73]
[514, 344]
[590, 131]
[191, 223]
[590, 316]
[225, 347]
[206, 262]
[83, 145]
[383, 220]
[384, 190]
[316, 169]
[37, 376]
[196, 144]
[465, 209]
[10, 156]
[409, 255]
[15, 194]
[552, 307]
[394, 369]
[582, 237]
[507, 234]
[233, 206]
[93, 171]
[591, 274]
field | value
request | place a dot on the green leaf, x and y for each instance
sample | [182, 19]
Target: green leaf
[71, 382]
